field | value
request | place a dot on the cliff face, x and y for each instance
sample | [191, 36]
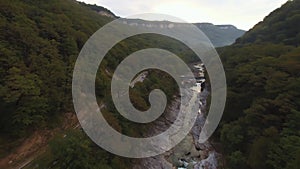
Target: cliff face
[219, 35]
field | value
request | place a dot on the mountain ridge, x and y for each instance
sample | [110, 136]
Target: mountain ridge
[280, 26]
[220, 35]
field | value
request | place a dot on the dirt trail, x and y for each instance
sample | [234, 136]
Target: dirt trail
[35, 145]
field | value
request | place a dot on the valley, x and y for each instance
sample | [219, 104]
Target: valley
[41, 40]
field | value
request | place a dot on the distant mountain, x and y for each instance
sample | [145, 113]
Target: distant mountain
[220, 35]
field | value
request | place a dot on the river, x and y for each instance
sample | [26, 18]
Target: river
[189, 154]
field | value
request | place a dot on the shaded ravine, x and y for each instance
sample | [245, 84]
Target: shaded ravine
[189, 154]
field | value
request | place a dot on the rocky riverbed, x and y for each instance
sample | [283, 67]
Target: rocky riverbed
[189, 154]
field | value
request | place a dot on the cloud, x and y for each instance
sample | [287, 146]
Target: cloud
[241, 13]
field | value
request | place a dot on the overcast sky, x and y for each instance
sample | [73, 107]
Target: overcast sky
[242, 13]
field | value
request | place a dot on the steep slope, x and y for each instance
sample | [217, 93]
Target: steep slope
[280, 27]
[39, 43]
[100, 10]
[260, 126]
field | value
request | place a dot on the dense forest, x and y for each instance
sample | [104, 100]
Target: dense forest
[39, 44]
[40, 41]
[38, 50]
[260, 127]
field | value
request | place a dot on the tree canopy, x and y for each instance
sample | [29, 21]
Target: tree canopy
[259, 128]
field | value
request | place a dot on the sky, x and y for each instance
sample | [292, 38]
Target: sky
[243, 14]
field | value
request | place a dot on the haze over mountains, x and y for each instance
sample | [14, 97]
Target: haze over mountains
[219, 35]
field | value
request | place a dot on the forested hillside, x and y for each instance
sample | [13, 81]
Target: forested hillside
[100, 10]
[260, 126]
[39, 43]
[282, 26]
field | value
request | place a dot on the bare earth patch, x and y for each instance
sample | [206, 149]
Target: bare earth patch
[35, 145]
